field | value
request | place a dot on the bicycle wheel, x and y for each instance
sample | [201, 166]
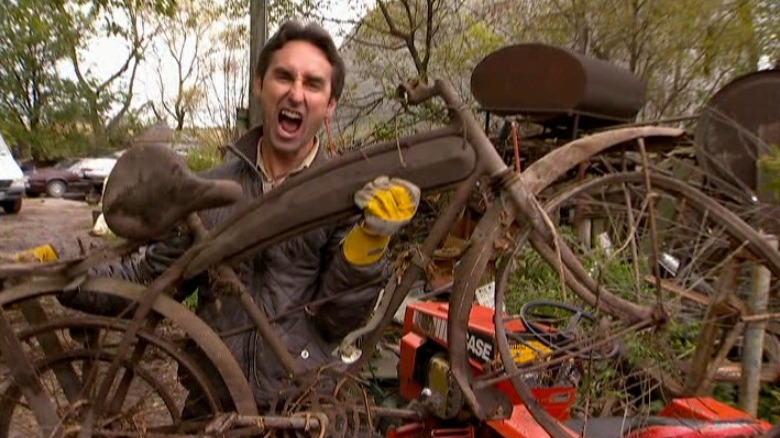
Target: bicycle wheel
[657, 242]
[70, 353]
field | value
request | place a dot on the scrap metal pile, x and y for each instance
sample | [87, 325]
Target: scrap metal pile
[658, 242]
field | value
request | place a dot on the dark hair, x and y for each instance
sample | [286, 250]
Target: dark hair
[313, 33]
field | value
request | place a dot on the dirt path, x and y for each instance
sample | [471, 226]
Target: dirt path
[59, 222]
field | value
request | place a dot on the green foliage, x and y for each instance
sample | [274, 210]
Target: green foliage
[203, 158]
[191, 302]
[603, 381]
[768, 400]
[769, 403]
[38, 109]
[45, 108]
[533, 278]
[769, 165]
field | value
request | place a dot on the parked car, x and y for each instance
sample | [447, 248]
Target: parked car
[80, 175]
[11, 181]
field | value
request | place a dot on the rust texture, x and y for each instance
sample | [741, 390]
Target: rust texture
[728, 130]
[548, 84]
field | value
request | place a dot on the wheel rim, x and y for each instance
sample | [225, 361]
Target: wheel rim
[55, 189]
[698, 248]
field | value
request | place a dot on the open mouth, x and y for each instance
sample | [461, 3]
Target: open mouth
[290, 121]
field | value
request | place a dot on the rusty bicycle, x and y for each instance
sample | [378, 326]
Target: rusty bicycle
[87, 375]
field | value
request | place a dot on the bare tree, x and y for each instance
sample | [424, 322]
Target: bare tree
[108, 97]
[401, 40]
[226, 82]
[182, 45]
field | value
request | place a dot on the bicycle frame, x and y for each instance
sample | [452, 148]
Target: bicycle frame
[464, 151]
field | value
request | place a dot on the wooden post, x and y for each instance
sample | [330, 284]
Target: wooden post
[583, 227]
[582, 220]
[258, 29]
[753, 349]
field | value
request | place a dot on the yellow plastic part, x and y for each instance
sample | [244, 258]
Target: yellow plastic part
[43, 253]
[524, 353]
[363, 248]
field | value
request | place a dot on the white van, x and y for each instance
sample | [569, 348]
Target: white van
[11, 180]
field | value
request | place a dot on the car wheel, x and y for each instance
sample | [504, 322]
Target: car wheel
[12, 207]
[55, 189]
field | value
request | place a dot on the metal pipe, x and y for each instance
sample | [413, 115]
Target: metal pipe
[754, 337]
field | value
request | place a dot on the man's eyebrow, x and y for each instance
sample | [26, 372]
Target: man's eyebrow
[280, 70]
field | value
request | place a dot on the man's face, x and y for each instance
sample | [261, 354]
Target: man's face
[295, 95]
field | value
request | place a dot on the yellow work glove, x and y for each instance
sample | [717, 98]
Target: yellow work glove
[43, 253]
[388, 204]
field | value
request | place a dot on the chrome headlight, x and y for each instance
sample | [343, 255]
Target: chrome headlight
[18, 183]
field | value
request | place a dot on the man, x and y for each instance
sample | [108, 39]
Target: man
[299, 79]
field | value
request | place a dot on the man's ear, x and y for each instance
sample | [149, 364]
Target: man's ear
[257, 87]
[331, 107]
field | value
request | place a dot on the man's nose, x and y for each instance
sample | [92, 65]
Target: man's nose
[296, 92]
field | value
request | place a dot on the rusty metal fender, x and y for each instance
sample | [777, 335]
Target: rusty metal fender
[552, 166]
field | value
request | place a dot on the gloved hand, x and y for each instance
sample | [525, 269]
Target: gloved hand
[388, 204]
[159, 256]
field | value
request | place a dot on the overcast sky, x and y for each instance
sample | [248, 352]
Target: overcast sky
[106, 55]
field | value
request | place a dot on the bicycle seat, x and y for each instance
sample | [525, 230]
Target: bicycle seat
[151, 188]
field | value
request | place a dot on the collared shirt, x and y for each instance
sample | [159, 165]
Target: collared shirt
[268, 180]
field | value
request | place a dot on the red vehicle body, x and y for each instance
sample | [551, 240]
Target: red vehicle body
[423, 372]
[83, 176]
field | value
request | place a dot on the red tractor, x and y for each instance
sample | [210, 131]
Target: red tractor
[424, 374]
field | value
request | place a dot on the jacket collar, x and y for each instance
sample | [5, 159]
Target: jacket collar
[247, 145]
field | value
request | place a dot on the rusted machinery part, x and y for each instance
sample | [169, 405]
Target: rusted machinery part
[314, 424]
[556, 252]
[727, 132]
[317, 424]
[197, 330]
[545, 83]
[545, 171]
[538, 176]
[344, 401]
[151, 188]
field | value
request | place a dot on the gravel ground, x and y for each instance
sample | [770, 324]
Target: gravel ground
[59, 222]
